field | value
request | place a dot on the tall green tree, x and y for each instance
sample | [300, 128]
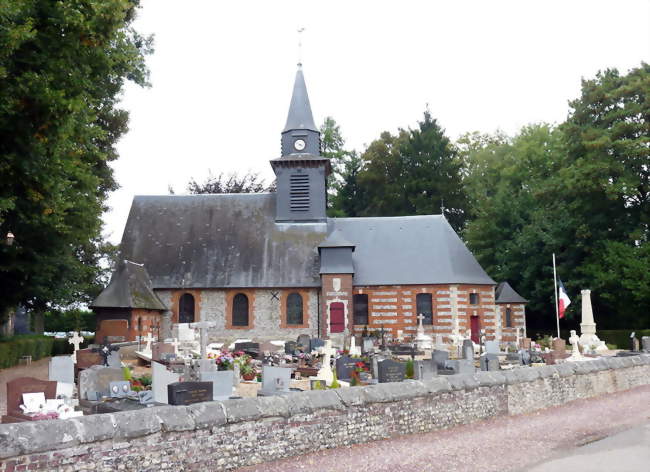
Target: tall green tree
[63, 65]
[414, 172]
[249, 182]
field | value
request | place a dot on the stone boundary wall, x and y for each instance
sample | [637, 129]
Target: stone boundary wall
[234, 433]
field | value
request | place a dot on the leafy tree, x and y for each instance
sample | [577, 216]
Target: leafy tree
[415, 172]
[231, 183]
[62, 68]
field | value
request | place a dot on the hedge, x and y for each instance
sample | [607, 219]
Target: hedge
[621, 337]
[12, 349]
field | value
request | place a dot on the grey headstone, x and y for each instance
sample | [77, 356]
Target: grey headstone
[489, 362]
[290, 347]
[304, 342]
[524, 357]
[492, 347]
[206, 365]
[98, 378]
[645, 343]
[344, 367]
[275, 380]
[424, 370]
[439, 358]
[468, 349]
[315, 343]
[160, 378]
[61, 369]
[115, 360]
[145, 397]
[375, 367]
[222, 383]
[391, 371]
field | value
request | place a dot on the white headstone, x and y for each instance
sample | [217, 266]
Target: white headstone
[354, 349]
[61, 369]
[222, 383]
[148, 339]
[325, 372]
[160, 378]
[275, 379]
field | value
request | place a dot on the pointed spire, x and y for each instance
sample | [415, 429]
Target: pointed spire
[300, 116]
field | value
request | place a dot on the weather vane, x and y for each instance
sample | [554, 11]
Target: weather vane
[300, 31]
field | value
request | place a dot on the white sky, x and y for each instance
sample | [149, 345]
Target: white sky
[223, 72]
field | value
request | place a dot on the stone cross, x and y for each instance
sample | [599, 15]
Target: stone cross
[75, 340]
[325, 371]
[149, 339]
[575, 340]
[105, 350]
[203, 326]
[420, 326]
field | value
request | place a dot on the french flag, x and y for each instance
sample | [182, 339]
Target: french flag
[564, 300]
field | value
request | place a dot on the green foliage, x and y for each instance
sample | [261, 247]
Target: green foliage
[69, 320]
[250, 182]
[62, 67]
[318, 386]
[335, 382]
[621, 337]
[126, 372]
[11, 350]
[410, 369]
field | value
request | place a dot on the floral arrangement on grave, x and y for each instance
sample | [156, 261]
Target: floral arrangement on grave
[304, 358]
[246, 367]
[224, 360]
[139, 384]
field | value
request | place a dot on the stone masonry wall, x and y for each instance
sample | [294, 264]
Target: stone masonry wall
[234, 433]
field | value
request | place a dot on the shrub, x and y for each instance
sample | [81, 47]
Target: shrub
[12, 349]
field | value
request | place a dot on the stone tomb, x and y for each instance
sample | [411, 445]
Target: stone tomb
[424, 370]
[275, 380]
[468, 349]
[161, 377]
[161, 350]
[345, 365]
[186, 393]
[458, 366]
[645, 343]
[438, 358]
[95, 381]
[489, 362]
[15, 390]
[222, 383]
[391, 371]
[61, 369]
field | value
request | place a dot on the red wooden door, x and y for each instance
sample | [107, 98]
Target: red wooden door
[475, 326]
[337, 318]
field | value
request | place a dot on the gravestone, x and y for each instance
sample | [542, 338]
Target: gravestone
[634, 343]
[492, 347]
[222, 383]
[275, 380]
[489, 362]
[76, 341]
[145, 397]
[367, 345]
[87, 358]
[186, 393]
[459, 366]
[267, 348]
[304, 342]
[439, 358]
[645, 343]
[97, 378]
[524, 357]
[424, 370]
[161, 377]
[345, 365]
[316, 343]
[61, 369]
[391, 371]
[250, 348]
[290, 347]
[559, 345]
[160, 349]
[17, 387]
[468, 349]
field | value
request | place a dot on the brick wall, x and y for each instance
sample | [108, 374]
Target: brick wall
[235, 433]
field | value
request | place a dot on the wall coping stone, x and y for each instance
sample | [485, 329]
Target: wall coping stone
[34, 437]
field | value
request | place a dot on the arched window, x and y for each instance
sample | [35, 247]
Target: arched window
[186, 309]
[294, 309]
[424, 305]
[508, 318]
[240, 310]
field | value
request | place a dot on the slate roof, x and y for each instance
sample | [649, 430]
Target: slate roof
[130, 287]
[232, 240]
[300, 116]
[504, 293]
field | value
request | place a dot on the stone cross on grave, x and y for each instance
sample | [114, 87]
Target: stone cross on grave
[325, 372]
[203, 327]
[420, 326]
[75, 340]
[149, 339]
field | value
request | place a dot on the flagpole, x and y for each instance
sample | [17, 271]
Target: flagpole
[557, 314]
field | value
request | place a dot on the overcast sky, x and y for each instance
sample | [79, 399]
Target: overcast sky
[223, 72]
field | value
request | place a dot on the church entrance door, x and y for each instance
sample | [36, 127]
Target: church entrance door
[475, 326]
[337, 317]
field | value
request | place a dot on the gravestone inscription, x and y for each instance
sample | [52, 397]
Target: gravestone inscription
[186, 393]
[391, 371]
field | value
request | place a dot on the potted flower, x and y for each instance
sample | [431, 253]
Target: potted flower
[246, 367]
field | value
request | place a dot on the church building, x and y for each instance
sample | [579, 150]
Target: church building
[273, 265]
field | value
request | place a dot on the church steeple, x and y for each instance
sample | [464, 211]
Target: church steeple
[300, 134]
[301, 173]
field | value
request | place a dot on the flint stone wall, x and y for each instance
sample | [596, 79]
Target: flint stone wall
[234, 433]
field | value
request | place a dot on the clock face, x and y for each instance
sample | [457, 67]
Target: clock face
[299, 144]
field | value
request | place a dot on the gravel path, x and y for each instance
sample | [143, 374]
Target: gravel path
[37, 369]
[500, 444]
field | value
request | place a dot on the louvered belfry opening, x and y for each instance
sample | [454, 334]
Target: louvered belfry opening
[299, 192]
